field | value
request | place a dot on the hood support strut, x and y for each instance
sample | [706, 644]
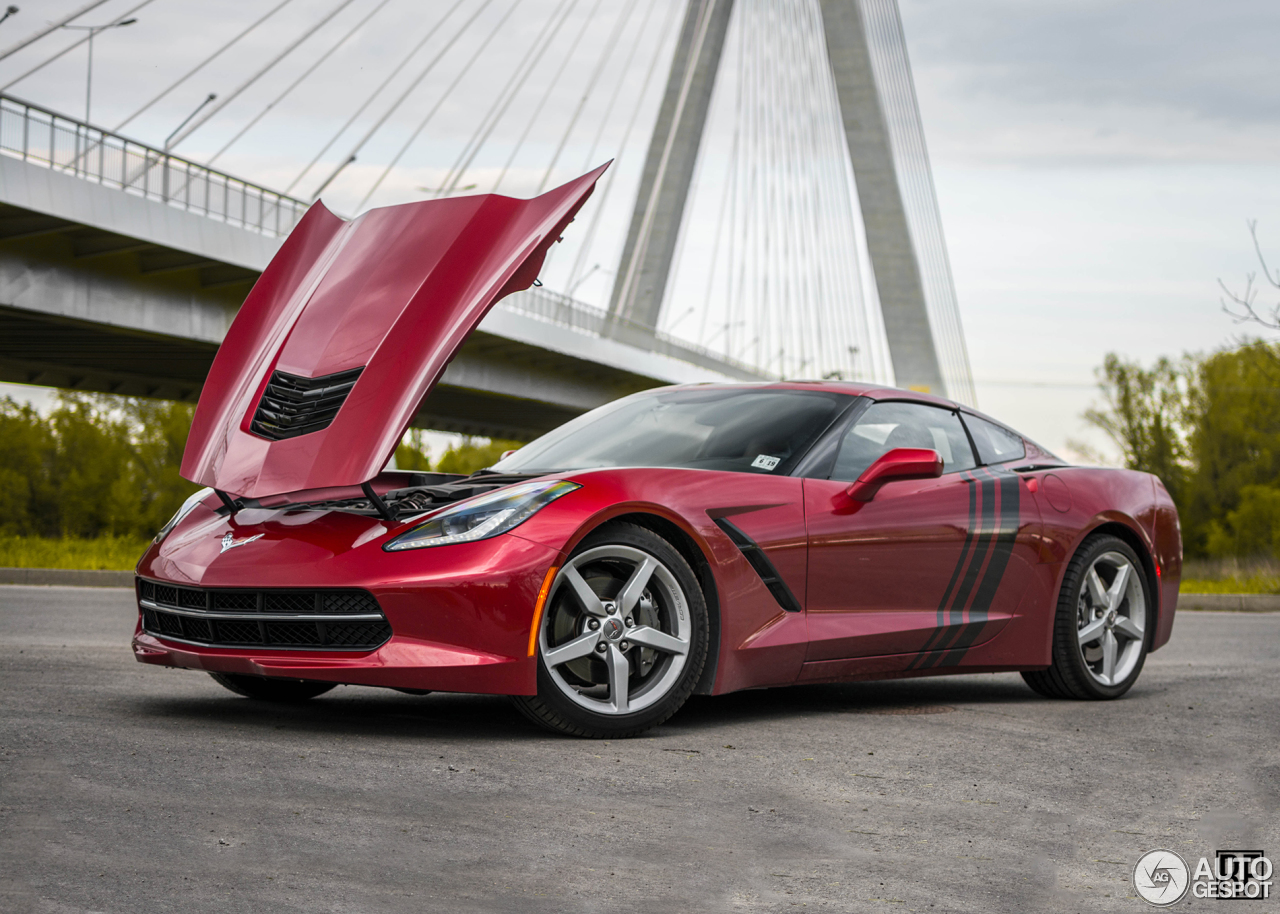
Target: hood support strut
[380, 505]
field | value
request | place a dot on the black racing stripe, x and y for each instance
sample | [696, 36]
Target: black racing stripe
[985, 537]
[1006, 538]
[970, 535]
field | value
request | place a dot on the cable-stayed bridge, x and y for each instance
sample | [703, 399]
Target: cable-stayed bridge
[783, 222]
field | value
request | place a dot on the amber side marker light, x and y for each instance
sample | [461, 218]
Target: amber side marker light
[541, 606]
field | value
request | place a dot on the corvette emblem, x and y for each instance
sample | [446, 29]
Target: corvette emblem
[230, 542]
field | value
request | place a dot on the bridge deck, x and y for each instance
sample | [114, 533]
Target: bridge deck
[106, 286]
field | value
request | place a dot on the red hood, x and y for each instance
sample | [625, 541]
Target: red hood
[384, 300]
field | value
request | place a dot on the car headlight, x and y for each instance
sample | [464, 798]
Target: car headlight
[187, 507]
[484, 516]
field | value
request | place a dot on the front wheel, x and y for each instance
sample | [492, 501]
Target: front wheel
[1100, 632]
[265, 689]
[623, 637]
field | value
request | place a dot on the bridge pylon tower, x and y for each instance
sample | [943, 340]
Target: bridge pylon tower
[866, 52]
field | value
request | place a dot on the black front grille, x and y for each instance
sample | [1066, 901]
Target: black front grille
[293, 405]
[208, 616]
[235, 602]
[289, 603]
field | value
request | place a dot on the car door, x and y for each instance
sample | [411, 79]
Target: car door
[919, 567]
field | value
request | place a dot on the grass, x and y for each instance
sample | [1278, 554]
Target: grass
[121, 553]
[111, 553]
[1261, 575]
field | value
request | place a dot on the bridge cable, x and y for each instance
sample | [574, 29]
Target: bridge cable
[725, 194]
[395, 106]
[202, 64]
[864, 321]
[815, 271]
[828, 270]
[592, 82]
[439, 101]
[827, 189]
[739, 226]
[368, 101]
[588, 237]
[472, 149]
[835, 208]
[780, 298]
[735, 161]
[311, 69]
[622, 81]
[797, 201]
[537, 48]
[71, 47]
[51, 27]
[231, 96]
[537, 111]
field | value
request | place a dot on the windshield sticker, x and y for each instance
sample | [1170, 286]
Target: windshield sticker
[765, 462]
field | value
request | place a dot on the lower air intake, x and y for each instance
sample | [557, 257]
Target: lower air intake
[346, 620]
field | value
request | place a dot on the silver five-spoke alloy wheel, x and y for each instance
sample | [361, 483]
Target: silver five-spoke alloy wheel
[617, 630]
[1111, 618]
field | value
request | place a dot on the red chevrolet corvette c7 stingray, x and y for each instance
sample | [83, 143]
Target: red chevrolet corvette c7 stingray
[702, 538]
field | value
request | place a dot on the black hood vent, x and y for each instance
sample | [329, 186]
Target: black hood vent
[293, 406]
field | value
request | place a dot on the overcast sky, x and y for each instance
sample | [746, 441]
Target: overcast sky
[1096, 161]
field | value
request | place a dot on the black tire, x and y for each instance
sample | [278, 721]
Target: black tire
[1072, 674]
[263, 688]
[554, 708]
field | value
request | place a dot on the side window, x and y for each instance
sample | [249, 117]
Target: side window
[885, 426]
[995, 444]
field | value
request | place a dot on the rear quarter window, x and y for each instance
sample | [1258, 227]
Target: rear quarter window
[995, 444]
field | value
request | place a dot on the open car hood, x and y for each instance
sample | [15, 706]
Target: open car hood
[348, 329]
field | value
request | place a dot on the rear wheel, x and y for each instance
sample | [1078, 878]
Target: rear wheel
[1099, 635]
[265, 689]
[623, 637]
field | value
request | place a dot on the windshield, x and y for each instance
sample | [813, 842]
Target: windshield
[751, 431]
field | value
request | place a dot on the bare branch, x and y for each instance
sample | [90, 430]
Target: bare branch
[1257, 249]
[1240, 306]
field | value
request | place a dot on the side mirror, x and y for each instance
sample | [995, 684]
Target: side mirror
[900, 463]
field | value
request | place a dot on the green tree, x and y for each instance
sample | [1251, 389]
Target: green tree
[26, 448]
[1145, 414]
[1251, 530]
[474, 454]
[158, 432]
[412, 453]
[1234, 415]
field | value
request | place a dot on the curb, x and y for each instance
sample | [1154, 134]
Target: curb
[66, 577]
[1230, 602]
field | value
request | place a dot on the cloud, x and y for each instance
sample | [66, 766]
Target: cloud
[1062, 80]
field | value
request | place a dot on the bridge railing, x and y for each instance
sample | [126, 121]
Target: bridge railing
[52, 140]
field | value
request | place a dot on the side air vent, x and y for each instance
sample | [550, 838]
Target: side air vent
[754, 555]
[293, 406]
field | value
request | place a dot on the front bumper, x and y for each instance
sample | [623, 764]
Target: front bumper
[460, 616]
[400, 663]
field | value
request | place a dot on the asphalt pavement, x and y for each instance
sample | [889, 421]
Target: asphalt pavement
[133, 789]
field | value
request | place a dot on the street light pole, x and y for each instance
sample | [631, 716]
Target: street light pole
[94, 30]
[169, 139]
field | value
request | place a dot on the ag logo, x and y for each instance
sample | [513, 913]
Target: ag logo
[230, 542]
[1161, 878]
